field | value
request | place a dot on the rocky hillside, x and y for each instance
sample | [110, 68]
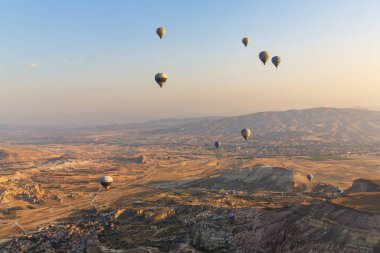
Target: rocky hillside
[317, 124]
[320, 227]
[258, 178]
[364, 185]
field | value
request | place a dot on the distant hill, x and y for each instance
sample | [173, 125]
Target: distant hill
[364, 185]
[257, 178]
[328, 125]
[316, 125]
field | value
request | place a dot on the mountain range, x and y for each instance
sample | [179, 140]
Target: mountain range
[320, 125]
[328, 125]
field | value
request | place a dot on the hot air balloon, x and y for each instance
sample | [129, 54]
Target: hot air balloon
[246, 132]
[309, 177]
[161, 32]
[217, 144]
[339, 191]
[276, 60]
[246, 41]
[161, 78]
[264, 56]
[106, 182]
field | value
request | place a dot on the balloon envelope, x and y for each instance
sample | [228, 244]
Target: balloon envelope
[276, 60]
[246, 41]
[309, 177]
[217, 144]
[264, 56]
[246, 132]
[161, 78]
[106, 181]
[161, 32]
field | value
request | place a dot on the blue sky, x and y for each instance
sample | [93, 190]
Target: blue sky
[93, 62]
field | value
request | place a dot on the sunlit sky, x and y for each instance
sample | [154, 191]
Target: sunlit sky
[79, 62]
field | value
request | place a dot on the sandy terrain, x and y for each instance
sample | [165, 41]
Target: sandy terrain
[67, 177]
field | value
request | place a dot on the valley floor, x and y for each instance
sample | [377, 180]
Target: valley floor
[158, 203]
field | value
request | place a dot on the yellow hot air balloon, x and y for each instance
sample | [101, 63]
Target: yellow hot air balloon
[246, 132]
[161, 78]
[161, 32]
[246, 41]
[276, 60]
[264, 56]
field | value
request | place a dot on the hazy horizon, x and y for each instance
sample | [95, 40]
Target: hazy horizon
[110, 123]
[71, 63]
